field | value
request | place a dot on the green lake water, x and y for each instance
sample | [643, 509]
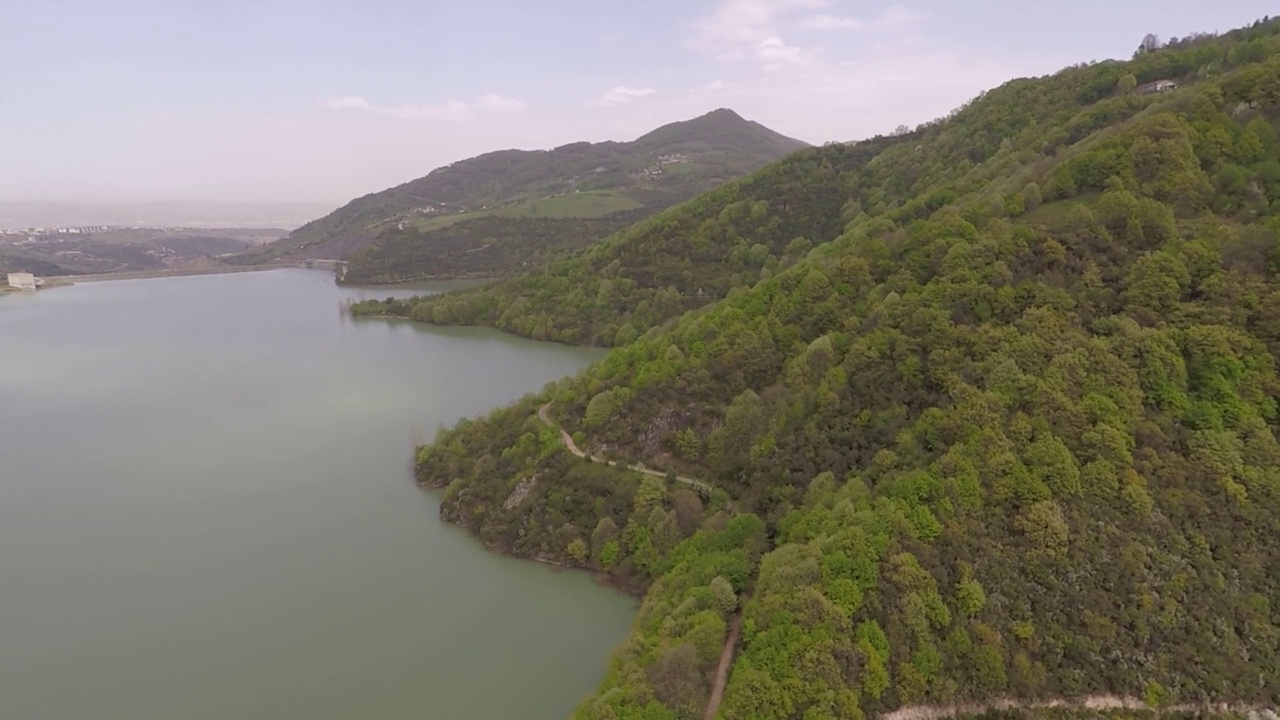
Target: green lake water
[207, 511]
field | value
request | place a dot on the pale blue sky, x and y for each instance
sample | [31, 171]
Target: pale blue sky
[106, 100]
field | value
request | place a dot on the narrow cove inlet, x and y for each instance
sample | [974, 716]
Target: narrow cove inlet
[207, 511]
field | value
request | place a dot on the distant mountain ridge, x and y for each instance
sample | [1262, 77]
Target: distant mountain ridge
[622, 181]
[20, 214]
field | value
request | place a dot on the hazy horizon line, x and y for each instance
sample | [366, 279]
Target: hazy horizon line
[168, 201]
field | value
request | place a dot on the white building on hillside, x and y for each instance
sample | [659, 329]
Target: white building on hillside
[22, 281]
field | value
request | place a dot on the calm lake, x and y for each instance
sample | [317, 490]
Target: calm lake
[207, 511]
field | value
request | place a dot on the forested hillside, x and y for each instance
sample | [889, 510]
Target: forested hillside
[1002, 425]
[684, 258]
[504, 211]
[485, 246]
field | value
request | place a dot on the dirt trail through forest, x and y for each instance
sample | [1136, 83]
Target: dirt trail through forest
[722, 670]
[544, 413]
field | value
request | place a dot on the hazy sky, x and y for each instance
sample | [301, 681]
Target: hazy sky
[283, 100]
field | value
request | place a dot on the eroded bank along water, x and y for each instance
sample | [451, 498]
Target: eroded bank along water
[206, 511]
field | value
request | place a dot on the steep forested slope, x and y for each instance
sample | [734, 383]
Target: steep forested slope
[498, 212]
[485, 246]
[682, 259]
[1011, 433]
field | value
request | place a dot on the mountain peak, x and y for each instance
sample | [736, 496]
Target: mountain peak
[721, 129]
[727, 113]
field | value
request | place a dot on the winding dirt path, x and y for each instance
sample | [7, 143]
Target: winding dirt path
[735, 628]
[722, 670]
[544, 414]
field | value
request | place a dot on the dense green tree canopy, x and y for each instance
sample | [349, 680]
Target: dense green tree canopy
[995, 417]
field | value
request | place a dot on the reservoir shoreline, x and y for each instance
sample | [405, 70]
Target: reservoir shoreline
[234, 534]
[67, 280]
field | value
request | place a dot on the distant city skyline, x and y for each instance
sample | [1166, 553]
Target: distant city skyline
[292, 101]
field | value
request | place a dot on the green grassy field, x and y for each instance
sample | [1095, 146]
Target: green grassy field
[597, 203]
[685, 168]
[583, 205]
[427, 223]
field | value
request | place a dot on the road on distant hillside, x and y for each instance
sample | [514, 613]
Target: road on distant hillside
[544, 413]
[1095, 703]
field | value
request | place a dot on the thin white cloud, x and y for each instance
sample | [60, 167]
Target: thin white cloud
[621, 95]
[454, 110]
[893, 17]
[754, 30]
[742, 29]
[832, 22]
[773, 53]
[338, 103]
[496, 103]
